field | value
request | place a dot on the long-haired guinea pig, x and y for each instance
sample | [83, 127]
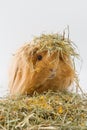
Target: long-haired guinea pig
[35, 68]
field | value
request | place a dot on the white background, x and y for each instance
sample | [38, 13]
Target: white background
[20, 20]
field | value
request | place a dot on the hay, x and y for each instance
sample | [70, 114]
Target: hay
[50, 110]
[56, 42]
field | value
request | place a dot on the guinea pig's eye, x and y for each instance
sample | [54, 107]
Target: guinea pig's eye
[39, 57]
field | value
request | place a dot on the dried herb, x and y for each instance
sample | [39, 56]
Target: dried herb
[50, 110]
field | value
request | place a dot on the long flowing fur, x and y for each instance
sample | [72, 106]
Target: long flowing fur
[28, 74]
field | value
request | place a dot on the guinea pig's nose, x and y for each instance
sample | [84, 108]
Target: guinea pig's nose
[52, 74]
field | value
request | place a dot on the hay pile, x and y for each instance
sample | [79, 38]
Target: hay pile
[50, 110]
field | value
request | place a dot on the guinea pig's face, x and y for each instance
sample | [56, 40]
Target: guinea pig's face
[45, 65]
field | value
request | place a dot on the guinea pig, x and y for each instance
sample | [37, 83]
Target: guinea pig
[40, 67]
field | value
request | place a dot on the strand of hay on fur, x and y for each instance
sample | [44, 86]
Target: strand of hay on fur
[56, 110]
[53, 42]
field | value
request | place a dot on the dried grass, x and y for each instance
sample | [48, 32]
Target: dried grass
[50, 110]
[56, 42]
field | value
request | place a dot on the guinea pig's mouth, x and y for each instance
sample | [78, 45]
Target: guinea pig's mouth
[52, 76]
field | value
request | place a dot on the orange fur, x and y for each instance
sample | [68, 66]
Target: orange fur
[28, 74]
